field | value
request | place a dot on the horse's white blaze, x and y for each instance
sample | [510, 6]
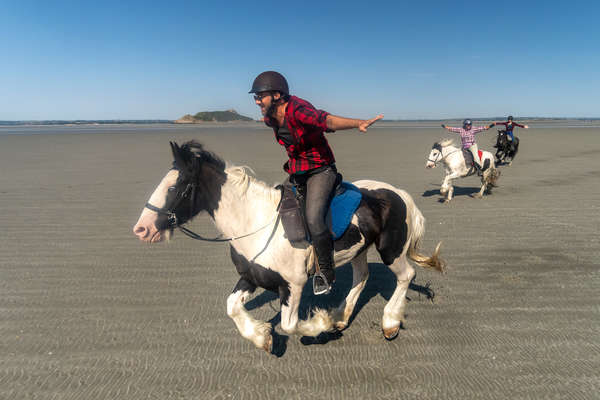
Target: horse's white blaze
[145, 228]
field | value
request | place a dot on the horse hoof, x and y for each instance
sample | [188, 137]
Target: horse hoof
[340, 326]
[391, 333]
[446, 201]
[268, 345]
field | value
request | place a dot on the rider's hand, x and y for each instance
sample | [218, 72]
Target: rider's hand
[368, 122]
[526, 126]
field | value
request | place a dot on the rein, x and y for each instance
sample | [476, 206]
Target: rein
[174, 223]
[440, 155]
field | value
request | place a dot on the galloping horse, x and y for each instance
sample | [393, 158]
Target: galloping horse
[245, 210]
[456, 166]
[505, 148]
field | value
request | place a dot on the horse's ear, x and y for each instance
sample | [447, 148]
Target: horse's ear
[178, 160]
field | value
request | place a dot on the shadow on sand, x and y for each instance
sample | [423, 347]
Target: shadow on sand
[458, 191]
[381, 281]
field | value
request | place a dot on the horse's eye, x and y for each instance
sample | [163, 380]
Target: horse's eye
[171, 188]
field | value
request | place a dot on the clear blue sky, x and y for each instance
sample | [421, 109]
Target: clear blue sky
[406, 59]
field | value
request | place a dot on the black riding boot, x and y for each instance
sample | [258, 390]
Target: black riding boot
[322, 281]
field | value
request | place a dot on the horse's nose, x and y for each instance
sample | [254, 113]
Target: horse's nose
[140, 231]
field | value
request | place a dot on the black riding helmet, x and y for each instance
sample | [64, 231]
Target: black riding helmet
[270, 81]
[510, 118]
[467, 122]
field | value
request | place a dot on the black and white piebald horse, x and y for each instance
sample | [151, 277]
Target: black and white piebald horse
[245, 210]
[458, 163]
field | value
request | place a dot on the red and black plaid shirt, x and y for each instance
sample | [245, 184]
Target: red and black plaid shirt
[308, 148]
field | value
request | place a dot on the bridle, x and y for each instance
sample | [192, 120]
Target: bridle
[173, 223]
[170, 212]
[439, 157]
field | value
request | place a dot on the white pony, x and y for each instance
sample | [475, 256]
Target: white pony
[456, 166]
[245, 211]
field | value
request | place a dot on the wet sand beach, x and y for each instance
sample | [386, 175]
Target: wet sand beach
[89, 312]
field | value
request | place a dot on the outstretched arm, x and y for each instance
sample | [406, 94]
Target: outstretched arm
[520, 126]
[336, 123]
[451, 129]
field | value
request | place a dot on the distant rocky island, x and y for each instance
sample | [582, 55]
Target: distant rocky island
[213, 116]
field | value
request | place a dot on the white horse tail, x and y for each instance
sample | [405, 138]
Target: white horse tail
[416, 232]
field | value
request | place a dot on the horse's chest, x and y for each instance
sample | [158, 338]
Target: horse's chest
[255, 273]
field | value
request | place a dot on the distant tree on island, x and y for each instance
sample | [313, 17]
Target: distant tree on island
[213, 116]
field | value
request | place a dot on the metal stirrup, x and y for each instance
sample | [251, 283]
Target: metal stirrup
[320, 284]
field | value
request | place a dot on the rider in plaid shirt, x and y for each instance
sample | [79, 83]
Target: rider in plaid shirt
[467, 137]
[300, 128]
[307, 147]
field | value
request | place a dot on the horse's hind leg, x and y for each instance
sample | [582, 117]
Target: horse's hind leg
[258, 332]
[393, 313]
[479, 194]
[360, 274]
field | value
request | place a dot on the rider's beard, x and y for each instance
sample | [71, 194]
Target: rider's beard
[270, 111]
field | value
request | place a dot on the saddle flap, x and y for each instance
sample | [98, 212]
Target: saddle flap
[346, 200]
[468, 157]
[291, 215]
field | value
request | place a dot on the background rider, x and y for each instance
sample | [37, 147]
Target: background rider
[510, 126]
[467, 137]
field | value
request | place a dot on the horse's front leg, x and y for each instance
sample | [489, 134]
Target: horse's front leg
[449, 187]
[320, 321]
[258, 332]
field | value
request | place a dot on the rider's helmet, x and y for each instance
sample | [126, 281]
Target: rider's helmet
[270, 81]
[467, 122]
[510, 118]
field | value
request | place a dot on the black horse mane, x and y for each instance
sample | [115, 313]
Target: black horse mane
[194, 154]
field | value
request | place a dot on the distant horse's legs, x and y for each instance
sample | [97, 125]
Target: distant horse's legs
[393, 313]
[258, 332]
[360, 274]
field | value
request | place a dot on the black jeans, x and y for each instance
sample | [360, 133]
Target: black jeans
[317, 189]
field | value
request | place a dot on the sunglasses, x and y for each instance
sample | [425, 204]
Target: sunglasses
[259, 96]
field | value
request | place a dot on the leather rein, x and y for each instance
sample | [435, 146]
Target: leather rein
[174, 223]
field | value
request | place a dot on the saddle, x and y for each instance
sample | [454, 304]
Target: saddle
[345, 201]
[469, 160]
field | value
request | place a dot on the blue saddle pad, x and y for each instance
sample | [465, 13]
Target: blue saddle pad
[342, 208]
